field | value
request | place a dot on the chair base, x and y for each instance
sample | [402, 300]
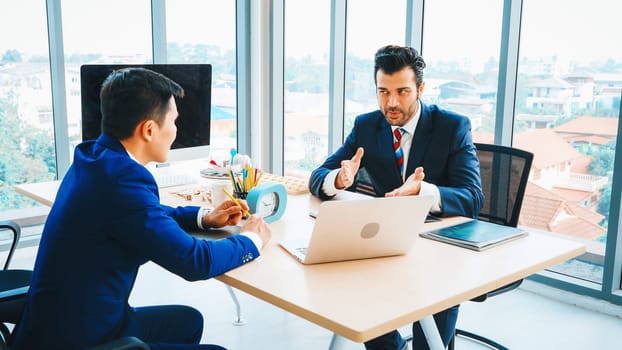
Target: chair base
[476, 338]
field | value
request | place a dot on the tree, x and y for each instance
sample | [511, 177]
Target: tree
[11, 56]
[602, 160]
[602, 165]
[603, 205]
[26, 155]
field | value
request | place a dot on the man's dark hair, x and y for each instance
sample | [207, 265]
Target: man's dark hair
[131, 95]
[392, 58]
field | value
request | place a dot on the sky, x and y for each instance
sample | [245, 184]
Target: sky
[452, 28]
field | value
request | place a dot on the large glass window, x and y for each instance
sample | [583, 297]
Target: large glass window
[199, 31]
[567, 107]
[567, 91]
[111, 31]
[306, 74]
[371, 25]
[26, 124]
[461, 43]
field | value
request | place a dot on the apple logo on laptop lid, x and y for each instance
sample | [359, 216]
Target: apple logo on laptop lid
[370, 230]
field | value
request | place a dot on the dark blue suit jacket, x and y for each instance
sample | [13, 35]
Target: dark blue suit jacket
[106, 221]
[442, 145]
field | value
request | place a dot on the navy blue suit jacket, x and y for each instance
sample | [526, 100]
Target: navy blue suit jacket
[442, 145]
[106, 221]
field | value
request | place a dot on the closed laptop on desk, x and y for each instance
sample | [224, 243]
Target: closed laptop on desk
[362, 228]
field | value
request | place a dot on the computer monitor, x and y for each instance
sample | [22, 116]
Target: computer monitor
[193, 123]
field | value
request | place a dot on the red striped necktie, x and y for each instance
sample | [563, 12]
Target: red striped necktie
[397, 148]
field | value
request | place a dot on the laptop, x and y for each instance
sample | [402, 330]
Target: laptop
[362, 228]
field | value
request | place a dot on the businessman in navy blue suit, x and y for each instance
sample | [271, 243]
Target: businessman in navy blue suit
[107, 221]
[437, 158]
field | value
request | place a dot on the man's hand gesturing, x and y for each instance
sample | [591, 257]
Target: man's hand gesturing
[348, 170]
[412, 185]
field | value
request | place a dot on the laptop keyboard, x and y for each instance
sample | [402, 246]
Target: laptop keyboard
[302, 250]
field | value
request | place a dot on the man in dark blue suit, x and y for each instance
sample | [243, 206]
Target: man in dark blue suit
[388, 150]
[107, 220]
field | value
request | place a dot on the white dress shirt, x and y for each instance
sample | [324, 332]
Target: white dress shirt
[204, 211]
[426, 188]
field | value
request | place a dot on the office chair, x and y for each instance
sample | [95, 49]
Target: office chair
[13, 287]
[504, 172]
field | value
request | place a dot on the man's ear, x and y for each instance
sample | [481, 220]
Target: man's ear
[421, 87]
[146, 129]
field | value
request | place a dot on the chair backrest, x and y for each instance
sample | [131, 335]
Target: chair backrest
[16, 229]
[13, 287]
[504, 172]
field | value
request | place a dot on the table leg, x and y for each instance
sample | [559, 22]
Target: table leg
[239, 321]
[432, 335]
[337, 342]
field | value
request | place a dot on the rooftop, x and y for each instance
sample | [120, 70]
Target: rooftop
[593, 126]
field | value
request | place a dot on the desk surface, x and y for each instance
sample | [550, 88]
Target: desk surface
[363, 299]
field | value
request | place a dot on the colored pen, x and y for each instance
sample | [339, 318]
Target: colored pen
[246, 212]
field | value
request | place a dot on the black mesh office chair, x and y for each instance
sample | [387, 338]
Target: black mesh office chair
[13, 287]
[504, 172]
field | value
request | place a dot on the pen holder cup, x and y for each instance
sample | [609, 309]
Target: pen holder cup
[240, 195]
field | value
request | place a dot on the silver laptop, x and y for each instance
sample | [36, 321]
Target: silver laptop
[362, 228]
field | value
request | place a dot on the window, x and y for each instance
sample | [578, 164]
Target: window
[200, 31]
[567, 107]
[567, 91]
[364, 38]
[306, 77]
[91, 36]
[461, 43]
[27, 151]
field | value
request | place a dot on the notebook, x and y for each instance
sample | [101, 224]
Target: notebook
[476, 235]
[354, 229]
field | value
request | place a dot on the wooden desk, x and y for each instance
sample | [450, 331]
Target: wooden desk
[363, 299]
[42, 192]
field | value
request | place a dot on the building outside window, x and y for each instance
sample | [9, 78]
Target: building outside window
[27, 147]
[462, 58]
[566, 113]
[90, 37]
[306, 75]
[204, 32]
[364, 38]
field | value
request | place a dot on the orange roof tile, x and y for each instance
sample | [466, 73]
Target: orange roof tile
[574, 196]
[548, 147]
[586, 125]
[544, 210]
[593, 139]
[537, 212]
[577, 227]
[581, 165]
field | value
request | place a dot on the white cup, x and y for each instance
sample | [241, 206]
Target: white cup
[218, 194]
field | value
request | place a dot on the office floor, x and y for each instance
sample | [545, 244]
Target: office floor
[521, 319]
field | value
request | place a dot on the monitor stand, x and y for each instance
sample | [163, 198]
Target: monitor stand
[173, 174]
